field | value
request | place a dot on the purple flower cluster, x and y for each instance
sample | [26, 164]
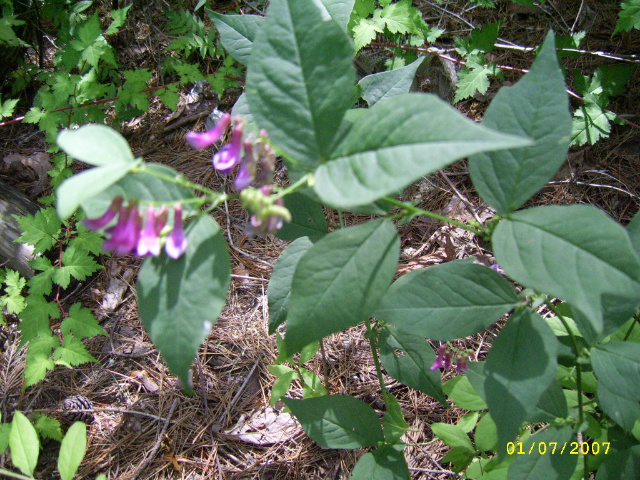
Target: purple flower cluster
[129, 236]
[256, 160]
[446, 355]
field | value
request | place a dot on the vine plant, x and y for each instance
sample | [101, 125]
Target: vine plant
[563, 391]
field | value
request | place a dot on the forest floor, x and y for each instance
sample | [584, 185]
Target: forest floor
[143, 426]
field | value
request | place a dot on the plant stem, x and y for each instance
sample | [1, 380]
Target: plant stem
[633, 324]
[292, 188]
[372, 335]
[14, 475]
[411, 210]
[178, 180]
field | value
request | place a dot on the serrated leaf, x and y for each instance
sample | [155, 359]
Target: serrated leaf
[397, 17]
[339, 281]
[237, 33]
[364, 32]
[576, 253]
[384, 463]
[629, 16]
[42, 283]
[536, 107]
[279, 290]
[72, 450]
[383, 85]
[87, 241]
[72, 352]
[408, 358]
[397, 141]
[24, 444]
[48, 427]
[301, 65]
[337, 421]
[307, 219]
[75, 263]
[81, 322]
[590, 123]
[519, 368]
[40, 230]
[119, 16]
[35, 317]
[471, 80]
[36, 369]
[7, 107]
[537, 466]
[180, 300]
[452, 435]
[451, 300]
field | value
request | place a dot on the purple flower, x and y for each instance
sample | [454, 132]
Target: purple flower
[206, 139]
[229, 155]
[247, 171]
[176, 243]
[149, 242]
[441, 358]
[461, 364]
[105, 219]
[125, 233]
[497, 268]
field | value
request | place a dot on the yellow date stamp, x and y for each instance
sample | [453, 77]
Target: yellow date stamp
[559, 448]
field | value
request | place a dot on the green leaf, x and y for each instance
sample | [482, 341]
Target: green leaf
[301, 65]
[119, 16]
[447, 301]
[519, 368]
[48, 427]
[384, 463]
[281, 386]
[339, 10]
[72, 450]
[337, 421]
[365, 32]
[237, 33]
[623, 465]
[621, 409]
[5, 429]
[7, 107]
[463, 394]
[393, 422]
[576, 253]
[539, 462]
[551, 406]
[398, 141]
[468, 421]
[36, 368]
[96, 145]
[24, 444]
[617, 366]
[383, 85]
[590, 123]
[81, 322]
[397, 17]
[180, 300]
[40, 230]
[307, 218]
[536, 107]
[452, 435]
[35, 317]
[77, 264]
[459, 457]
[279, 290]
[144, 187]
[408, 358]
[72, 352]
[628, 17]
[486, 434]
[340, 280]
[474, 78]
[633, 229]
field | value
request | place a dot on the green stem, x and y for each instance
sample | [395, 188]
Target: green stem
[293, 187]
[178, 180]
[372, 335]
[633, 324]
[411, 210]
[14, 475]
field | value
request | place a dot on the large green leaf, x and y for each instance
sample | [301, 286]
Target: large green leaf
[552, 405]
[408, 358]
[339, 10]
[541, 462]
[383, 85]
[237, 33]
[622, 410]
[337, 421]
[576, 253]
[24, 444]
[179, 300]
[463, 394]
[633, 229]
[307, 218]
[340, 280]
[623, 465]
[538, 107]
[72, 450]
[279, 290]
[398, 141]
[96, 145]
[617, 366]
[452, 435]
[300, 79]
[519, 368]
[384, 463]
[451, 300]
[142, 186]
